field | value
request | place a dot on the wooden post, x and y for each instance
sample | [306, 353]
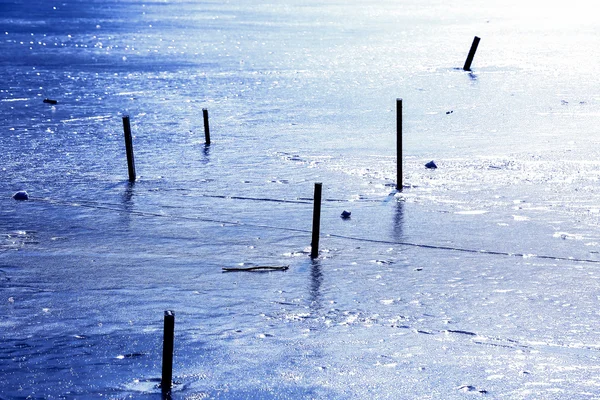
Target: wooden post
[399, 176]
[129, 148]
[206, 128]
[314, 250]
[167, 361]
[469, 60]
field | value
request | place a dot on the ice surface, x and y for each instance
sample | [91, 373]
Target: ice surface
[479, 279]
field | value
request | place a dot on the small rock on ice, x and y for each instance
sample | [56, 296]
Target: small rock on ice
[21, 195]
[431, 165]
[346, 214]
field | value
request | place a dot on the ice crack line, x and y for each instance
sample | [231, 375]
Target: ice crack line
[112, 207]
[465, 250]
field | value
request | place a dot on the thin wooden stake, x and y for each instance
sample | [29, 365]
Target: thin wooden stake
[314, 251]
[129, 148]
[469, 60]
[206, 127]
[399, 175]
[167, 361]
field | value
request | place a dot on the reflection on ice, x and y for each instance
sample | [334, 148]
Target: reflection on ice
[315, 285]
[398, 227]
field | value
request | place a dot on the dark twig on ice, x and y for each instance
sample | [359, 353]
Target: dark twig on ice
[258, 268]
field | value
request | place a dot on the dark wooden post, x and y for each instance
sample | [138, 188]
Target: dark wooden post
[399, 176]
[167, 361]
[469, 60]
[206, 127]
[316, 227]
[129, 148]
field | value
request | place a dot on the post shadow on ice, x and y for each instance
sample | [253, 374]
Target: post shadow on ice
[206, 154]
[316, 280]
[127, 196]
[398, 222]
[127, 202]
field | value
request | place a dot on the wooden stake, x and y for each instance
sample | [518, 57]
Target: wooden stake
[167, 361]
[314, 251]
[399, 176]
[469, 60]
[206, 127]
[129, 148]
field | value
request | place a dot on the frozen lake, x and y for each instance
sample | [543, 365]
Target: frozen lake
[480, 279]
